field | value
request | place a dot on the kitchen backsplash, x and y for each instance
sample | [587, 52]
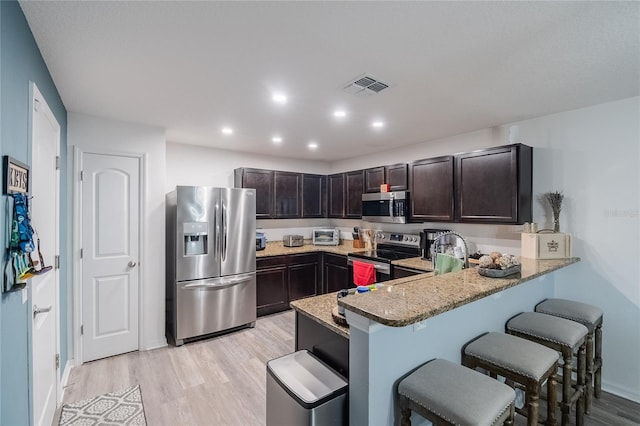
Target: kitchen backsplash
[486, 238]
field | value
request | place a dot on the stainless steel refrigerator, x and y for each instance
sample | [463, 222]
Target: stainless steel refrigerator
[211, 260]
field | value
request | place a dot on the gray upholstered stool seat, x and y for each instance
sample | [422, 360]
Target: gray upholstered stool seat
[521, 361]
[566, 337]
[448, 393]
[591, 317]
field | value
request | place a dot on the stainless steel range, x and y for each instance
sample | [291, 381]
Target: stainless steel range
[390, 246]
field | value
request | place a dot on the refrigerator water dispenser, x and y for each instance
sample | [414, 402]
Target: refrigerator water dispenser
[195, 236]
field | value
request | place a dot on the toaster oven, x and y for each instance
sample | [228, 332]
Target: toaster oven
[326, 237]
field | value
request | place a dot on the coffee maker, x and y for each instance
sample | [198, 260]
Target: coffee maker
[427, 237]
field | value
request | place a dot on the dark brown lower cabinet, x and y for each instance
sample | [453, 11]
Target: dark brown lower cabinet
[401, 272]
[271, 285]
[329, 346]
[304, 274]
[281, 279]
[335, 274]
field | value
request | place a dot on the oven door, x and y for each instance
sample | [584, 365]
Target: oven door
[383, 269]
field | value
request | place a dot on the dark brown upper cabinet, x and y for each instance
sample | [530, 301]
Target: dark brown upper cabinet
[494, 185]
[336, 195]
[262, 182]
[314, 196]
[287, 195]
[396, 177]
[431, 189]
[373, 178]
[355, 188]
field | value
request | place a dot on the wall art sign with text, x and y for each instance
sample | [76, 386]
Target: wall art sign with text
[15, 176]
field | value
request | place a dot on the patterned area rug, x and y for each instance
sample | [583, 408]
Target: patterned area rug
[116, 408]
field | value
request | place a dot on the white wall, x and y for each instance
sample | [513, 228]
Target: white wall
[91, 133]
[197, 165]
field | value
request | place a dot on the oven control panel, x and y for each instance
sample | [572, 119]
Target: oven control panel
[398, 239]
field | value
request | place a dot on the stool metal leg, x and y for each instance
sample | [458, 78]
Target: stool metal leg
[552, 399]
[597, 384]
[589, 384]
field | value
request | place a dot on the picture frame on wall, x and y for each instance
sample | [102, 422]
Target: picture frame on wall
[15, 176]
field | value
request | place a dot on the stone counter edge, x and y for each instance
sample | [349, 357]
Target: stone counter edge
[448, 282]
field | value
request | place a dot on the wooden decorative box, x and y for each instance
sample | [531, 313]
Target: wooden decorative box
[545, 245]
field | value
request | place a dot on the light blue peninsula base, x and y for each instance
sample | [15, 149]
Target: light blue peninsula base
[388, 342]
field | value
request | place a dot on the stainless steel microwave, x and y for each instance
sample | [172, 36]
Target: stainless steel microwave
[326, 236]
[386, 207]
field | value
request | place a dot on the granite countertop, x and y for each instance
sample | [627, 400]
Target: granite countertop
[276, 248]
[409, 300]
[415, 263]
[318, 308]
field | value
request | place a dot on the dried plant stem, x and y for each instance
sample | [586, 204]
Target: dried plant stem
[555, 199]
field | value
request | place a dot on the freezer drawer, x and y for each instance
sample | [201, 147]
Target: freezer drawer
[210, 306]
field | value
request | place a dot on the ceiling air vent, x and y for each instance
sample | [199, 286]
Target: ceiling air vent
[365, 85]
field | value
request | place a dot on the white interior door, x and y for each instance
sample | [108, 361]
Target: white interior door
[110, 246]
[45, 184]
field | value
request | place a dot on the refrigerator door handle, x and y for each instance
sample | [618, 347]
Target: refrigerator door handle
[224, 231]
[219, 283]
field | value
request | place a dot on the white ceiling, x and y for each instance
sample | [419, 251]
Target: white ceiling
[193, 67]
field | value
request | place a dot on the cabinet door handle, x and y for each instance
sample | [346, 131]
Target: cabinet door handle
[132, 264]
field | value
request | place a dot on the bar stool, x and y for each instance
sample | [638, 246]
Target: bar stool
[591, 317]
[521, 361]
[563, 336]
[450, 394]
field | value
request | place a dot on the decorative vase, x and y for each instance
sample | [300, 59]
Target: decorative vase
[556, 222]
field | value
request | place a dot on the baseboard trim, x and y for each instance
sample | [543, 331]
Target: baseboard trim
[65, 379]
[621, 391]
[161, 343]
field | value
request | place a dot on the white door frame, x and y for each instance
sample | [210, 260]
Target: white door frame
[77, 243]
[35, 94]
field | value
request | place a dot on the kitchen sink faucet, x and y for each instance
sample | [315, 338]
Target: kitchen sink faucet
[436, 246]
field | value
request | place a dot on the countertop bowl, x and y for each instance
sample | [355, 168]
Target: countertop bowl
[499, 273]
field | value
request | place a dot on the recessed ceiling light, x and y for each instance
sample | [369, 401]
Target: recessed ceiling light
[227, 130]
[313, 145]
[377, 124]
[339, 113]
[276, 139]
[279, 98]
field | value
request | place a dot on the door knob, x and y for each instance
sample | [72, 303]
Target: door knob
[132, 264]
[37, 310]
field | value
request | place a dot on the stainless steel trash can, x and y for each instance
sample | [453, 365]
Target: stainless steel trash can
[301, 390]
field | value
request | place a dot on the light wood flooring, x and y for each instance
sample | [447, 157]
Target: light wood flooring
[221, 381]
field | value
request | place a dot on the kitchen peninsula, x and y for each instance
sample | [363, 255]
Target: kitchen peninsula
[415, 319]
